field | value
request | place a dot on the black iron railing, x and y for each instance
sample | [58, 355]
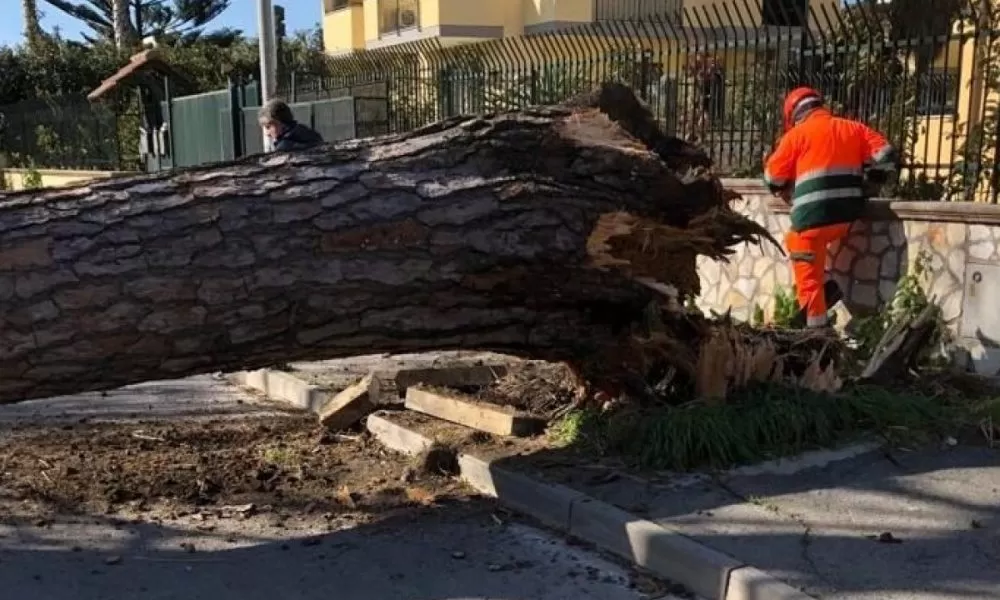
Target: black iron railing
[637, 10]
[68, 132]
[717, 73]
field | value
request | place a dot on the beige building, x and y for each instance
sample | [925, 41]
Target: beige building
[350, 25]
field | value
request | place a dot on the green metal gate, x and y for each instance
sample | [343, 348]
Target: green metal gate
[222, 125]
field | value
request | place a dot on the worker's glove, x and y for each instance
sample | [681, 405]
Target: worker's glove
[877, 177]
[875, 180]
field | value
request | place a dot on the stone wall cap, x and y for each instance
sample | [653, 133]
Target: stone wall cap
[887, 209]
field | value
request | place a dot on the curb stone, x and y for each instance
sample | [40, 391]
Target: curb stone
[283, 387]
[666, 552]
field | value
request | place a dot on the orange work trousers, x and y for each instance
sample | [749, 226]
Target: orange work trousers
[808, 252]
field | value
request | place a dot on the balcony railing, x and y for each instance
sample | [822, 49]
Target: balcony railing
[395, 16]
[636, 10]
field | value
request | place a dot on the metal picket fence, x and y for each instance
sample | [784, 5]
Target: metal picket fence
[716, 75]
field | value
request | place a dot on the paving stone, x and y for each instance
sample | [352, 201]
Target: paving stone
[761, 266]
[878, 228]
[844, 260]
[879, 244]
[957, 233]
[746, 266]
[886, 290]
[859, 242]
[890, 266]
[897, 234]
[866, 268]
[982, 250]
[736, 300]
[864, 294]
[980, 233]
[747, 287]
[916, 230]
[951, 305]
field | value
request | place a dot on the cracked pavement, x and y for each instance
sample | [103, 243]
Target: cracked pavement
[921, 525]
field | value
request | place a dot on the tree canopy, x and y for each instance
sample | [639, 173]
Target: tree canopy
[179, 19]
[64, 67]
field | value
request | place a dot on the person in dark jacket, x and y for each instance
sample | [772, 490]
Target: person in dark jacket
[286, 133]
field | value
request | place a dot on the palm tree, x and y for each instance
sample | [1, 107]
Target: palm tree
[176, 18]
[32, 27]
[122, 23]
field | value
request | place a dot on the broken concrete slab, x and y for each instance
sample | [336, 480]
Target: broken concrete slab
[351, 405]
[339, 373]
[493, 419]
[280, 386]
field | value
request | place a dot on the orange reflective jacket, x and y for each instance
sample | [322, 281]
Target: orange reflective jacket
[824, 157]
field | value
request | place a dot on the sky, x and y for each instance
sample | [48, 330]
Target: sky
[242, 14]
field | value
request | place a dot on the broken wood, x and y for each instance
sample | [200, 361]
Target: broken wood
[474, 415]
[901, 344]
[351, 405]
[544, 233]
[734, 356]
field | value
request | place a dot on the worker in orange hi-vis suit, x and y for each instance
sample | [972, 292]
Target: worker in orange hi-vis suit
[820, 166]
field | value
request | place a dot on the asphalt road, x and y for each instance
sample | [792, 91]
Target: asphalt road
[453, 552]
[429, 558]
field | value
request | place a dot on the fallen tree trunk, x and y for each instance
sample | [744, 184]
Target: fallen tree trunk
[536, 232]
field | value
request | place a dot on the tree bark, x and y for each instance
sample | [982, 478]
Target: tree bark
[121, 24]
[32, 25]
[547, 233]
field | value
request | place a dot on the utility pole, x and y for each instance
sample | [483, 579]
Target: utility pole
[279, 43]
[268, 55]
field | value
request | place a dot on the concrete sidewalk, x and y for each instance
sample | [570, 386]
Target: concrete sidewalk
[202, 396]
[920, 525]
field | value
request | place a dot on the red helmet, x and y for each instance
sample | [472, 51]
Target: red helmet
[798, 102]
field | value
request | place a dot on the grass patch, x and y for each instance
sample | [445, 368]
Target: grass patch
[766, 422]
[279, 456]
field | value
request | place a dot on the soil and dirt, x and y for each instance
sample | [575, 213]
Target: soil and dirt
[233, 468]
[539, 388]
[214, 485]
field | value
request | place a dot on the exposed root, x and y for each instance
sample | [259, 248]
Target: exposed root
[540, 388]
[732, 358]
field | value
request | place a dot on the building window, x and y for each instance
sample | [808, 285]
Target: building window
[395, 16]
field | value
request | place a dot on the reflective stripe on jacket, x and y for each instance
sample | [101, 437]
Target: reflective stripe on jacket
[824, 157]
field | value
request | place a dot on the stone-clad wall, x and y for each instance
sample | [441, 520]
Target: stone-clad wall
[869, 264]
